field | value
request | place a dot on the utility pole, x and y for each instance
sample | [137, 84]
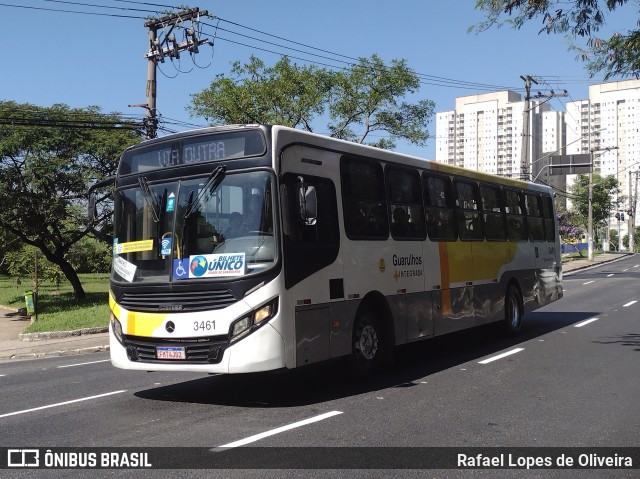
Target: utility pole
[632, 209]
[524, 162]
[526, 166]
[168, 46]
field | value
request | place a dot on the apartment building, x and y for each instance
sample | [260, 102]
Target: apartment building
[607, 124]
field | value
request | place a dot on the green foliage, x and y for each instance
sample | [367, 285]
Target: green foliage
[366, 98]
[57, 308]
[605, 198]
[90, 255]
[46, 170]
[617, 55]
[284, 94]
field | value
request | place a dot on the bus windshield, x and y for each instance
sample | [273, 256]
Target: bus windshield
[213, 227]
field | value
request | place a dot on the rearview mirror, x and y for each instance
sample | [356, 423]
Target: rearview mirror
[307, 202]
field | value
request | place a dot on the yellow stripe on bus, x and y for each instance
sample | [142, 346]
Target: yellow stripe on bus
[143, 324]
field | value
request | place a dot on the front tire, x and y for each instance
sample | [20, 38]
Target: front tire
[513, 311]
[369, 345]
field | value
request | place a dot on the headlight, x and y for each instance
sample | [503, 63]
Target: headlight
[255, 319]
[116, 326]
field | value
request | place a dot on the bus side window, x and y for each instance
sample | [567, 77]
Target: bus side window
[405, 203]
[363, 199]
[534, 217]
[516, 224]
[495, 228]
[467, 212]
[439, 209]
[549, 223]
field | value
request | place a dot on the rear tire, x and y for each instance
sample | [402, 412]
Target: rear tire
[369, 345]
[513, 311]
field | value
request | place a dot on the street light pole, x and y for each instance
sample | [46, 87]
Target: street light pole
[590, 216]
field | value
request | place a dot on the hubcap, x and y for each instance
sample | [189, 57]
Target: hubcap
[368, 342]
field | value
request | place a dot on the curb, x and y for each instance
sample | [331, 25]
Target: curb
[61, 334]
[596, 264]
[68, 352]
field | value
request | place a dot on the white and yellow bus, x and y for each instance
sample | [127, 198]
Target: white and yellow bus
[251, 248]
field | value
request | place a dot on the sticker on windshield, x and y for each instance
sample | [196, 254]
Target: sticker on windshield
[209, 266]
[134, 246]
[165, 245]
[124, 268]
[171, 203]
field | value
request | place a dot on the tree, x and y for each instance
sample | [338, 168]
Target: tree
[605, 198]
[367, 96]
[618, 55]
[48, 159]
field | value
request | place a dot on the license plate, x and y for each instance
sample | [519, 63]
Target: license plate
[170, 353]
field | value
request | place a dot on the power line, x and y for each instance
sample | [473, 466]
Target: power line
[350, 61]
[59, 10]
[100, 6]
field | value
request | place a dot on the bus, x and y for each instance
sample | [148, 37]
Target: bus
[249, 248]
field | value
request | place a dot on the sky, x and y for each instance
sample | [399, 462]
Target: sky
[98, 57]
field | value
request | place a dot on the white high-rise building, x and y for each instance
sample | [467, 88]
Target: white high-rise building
[485, 132]
[608, 124]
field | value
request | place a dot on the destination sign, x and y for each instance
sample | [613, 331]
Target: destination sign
[198, 149]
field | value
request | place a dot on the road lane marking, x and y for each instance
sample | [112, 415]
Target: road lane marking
[629, 304]
[500, 356]
[584, 323]
[24, 411]
[83, 364]
[625, 270]
[589, 282]
[278, 430]
[609, 275]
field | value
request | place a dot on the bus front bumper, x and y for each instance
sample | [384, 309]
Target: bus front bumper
[262, 350]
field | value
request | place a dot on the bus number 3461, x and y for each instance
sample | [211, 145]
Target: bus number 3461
[204, 325]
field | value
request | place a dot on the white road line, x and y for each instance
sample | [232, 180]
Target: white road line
[589, 282]
[609, 275]
[636, 265]
[584, 323]
[272, 432]
[500, 356]
[83, 364]
[625, 270]
[61, 404]
[629, 304]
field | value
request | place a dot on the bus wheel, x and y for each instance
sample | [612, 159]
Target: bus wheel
[513, 311]
[368, 345]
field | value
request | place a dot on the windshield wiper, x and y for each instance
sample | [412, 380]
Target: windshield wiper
[148, 198]
[208, 188]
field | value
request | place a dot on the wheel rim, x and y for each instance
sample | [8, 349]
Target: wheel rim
[368, 342]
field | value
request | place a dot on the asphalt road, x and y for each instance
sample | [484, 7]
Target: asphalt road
[570, 380]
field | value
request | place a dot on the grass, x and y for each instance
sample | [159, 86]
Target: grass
[58, 310]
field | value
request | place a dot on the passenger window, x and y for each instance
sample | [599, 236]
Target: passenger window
[438, 196]
[405, 203]
[549, 223]
[363, 198]
[495, 228]
[534, 217]
[516, 224]
[467, 212]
